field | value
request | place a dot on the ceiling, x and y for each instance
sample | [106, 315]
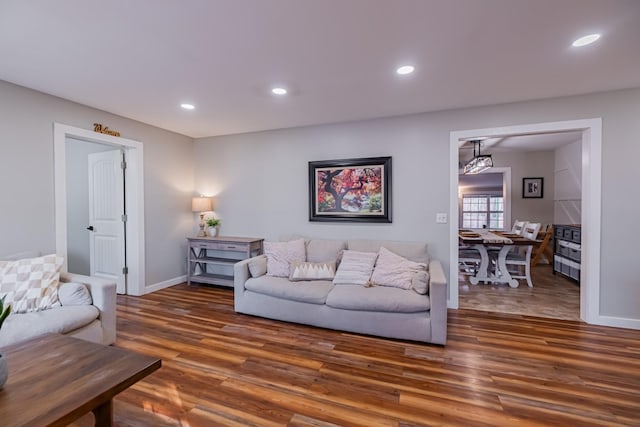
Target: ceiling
[535, 142]
[141, 59]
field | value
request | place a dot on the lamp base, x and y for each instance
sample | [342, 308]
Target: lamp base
[202, 233]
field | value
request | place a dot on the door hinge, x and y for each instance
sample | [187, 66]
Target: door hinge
[123, 165]
[124, 218]
[125, 270]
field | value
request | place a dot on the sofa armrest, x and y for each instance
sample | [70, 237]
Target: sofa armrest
[438, 296]
[103, 293]
[241, 275]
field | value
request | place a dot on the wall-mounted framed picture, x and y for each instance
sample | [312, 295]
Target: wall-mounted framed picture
[356, 190]
[532, 188]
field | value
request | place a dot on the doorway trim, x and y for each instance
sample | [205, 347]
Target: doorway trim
[134, 198]
[591, 204]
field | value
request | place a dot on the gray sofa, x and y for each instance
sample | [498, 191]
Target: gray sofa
[379, 310]
[94, 322]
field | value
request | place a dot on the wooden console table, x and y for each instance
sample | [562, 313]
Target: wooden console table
[56, 379]
[211, 259]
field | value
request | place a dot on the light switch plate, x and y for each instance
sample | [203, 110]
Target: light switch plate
[441, 218]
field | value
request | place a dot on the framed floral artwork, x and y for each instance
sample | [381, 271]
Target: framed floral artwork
[357, 190]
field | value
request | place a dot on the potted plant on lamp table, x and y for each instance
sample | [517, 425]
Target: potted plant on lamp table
[4, 369]
[213, 224]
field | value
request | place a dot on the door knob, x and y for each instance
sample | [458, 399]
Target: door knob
[90, 228]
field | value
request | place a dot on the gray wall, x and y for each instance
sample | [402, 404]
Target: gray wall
[260, 179]
[27, 188]
[77, 155]
[529, 164]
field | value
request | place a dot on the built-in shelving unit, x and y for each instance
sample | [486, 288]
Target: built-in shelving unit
[567, 250]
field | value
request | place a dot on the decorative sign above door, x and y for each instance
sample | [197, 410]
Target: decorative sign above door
[98, 127]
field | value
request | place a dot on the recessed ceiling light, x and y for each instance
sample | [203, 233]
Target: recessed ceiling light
[405, 69]
[583, 41]
[188, 106]
[279, 91]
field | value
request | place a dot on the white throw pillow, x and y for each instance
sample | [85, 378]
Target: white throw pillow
[31, 284]
[355, 268]
[71, 293]
[394, 270]
[312, 271]
[280, 256]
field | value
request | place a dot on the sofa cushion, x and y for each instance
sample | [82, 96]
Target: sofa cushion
[314, 292]
[377, 298]
[31, 284]
[413, 251]
[61, 320]
[312, 271]
[394, 270]
[280, 255]
[321, 250]
[355, 268]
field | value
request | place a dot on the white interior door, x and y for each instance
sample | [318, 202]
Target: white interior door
[106, 220]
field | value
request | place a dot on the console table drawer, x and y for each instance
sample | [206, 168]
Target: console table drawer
[221, 246]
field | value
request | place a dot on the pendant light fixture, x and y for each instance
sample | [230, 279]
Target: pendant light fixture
[480, 162]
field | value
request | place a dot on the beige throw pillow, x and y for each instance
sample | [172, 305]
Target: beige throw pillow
[355, 268]
[258, 266]
[312, 271]
[420, 282]
[280, 256]
[394, 270]
[31, 284]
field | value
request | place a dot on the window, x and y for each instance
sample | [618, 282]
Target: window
[479, 211]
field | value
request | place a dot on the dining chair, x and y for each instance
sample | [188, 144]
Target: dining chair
[518, 227]
[545, 248]
[468, 260]
[520, 256]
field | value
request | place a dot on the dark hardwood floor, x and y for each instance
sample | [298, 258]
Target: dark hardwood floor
[552, 296]
[226, 369]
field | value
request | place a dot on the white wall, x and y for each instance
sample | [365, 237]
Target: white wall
[77, 153]
[568, 184]
[26, 178]
[261, 178]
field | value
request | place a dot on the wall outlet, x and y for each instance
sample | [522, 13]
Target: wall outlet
[441, 218]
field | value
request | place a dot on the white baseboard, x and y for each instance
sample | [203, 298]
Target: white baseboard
[165, 284]
[618, 322]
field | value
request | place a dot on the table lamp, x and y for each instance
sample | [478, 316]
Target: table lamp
[201, 205]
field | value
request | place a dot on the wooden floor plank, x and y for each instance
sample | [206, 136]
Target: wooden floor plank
[221, 368]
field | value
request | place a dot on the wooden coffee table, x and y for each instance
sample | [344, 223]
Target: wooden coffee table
[55, 379]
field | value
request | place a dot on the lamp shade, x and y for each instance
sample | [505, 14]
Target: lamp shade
[201, 204]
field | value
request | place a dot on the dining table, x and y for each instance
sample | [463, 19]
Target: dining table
[481, 240]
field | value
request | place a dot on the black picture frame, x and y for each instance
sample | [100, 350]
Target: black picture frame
[533, 188]
[360, 187]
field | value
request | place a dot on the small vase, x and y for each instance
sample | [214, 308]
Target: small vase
[4, 371]
[213, 231]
